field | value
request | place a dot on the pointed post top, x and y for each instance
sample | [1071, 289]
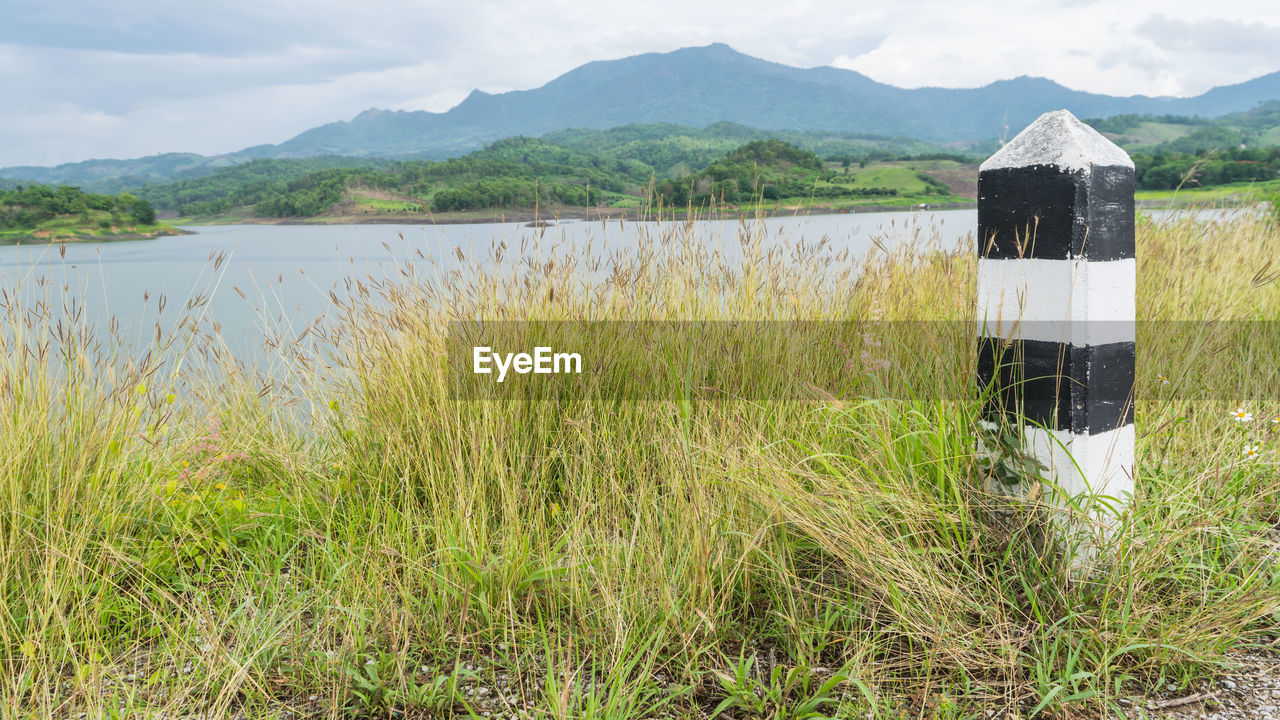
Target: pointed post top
[1058, 138]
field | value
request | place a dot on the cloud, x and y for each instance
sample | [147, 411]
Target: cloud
[1214, 36]
[117, 78]
[1136, 57]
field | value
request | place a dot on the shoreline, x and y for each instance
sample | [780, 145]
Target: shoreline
[575, 214]
[36, 239]
[538, 218]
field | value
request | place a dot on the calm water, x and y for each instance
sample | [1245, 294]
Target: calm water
[286, 272]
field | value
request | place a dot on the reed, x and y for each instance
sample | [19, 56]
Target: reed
[339, 532]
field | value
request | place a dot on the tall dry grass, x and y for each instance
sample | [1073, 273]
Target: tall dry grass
[193, 538]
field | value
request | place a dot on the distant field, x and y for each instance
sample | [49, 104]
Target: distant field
[1233, 193]
[1150, 133]
[387, 204]
[961, 179]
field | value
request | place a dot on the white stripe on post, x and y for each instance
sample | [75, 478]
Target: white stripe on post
[1056, 280]
[1032, 298]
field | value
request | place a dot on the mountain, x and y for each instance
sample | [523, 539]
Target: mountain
[702, 85]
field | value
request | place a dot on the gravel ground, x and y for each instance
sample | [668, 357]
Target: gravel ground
[1252, 691]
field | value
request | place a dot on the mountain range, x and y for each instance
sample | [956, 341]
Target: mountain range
[693, 86]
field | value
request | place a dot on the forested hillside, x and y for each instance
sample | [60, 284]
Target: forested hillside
[1171, 151]
[588, 169]
[43, 212]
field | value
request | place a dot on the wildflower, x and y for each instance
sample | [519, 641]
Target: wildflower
[1275, 420]
[1250, 453]
[170, 398]
[220, 486]
[1241, 416]
[140, 388]
[1163, 379]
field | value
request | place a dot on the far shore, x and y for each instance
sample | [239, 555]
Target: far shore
[46, 237]
[530, 215]
[538, 217]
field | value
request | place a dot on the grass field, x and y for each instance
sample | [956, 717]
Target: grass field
[388, 204]
[1218, 195]
[1150, 133]
[336, 534]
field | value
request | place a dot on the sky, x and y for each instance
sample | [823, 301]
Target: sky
[88, 79]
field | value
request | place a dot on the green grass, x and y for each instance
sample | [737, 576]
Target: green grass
[337, 534]
[891, 176]
[1152, 133]
[385, 204]
[1217, 195]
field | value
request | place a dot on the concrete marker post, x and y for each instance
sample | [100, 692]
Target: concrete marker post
[1056, 282]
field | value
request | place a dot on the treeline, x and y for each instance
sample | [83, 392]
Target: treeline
[527, 172]
[314, 193]
[1212, 151]
[521, 172]
[515, 172]
[671, 149]
[1168, 170]
[26, 207]
[886, 156]
[531, 158]
[770, 168]
[505, 192]
[1120, 124]
[250, 184]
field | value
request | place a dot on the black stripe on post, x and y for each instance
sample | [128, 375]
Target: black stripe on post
[1084, 389]
[1047, 213]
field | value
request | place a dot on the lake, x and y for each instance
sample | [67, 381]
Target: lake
[280, 276]
[286, 272]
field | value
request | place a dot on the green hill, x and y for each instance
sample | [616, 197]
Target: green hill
[40, 212]
[675, 149]
[249, 184]
[524, 173]
[1172, 151]
[1150, 134]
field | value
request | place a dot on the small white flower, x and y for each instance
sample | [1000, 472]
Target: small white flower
[1275, 420]
[1164, 379]
[1241, 416]
[1250, 452]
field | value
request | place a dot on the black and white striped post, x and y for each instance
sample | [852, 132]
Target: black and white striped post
[1056, 279]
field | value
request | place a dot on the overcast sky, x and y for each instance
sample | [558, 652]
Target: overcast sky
[123, 78]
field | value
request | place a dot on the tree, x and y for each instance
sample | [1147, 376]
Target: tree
[142, 212]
